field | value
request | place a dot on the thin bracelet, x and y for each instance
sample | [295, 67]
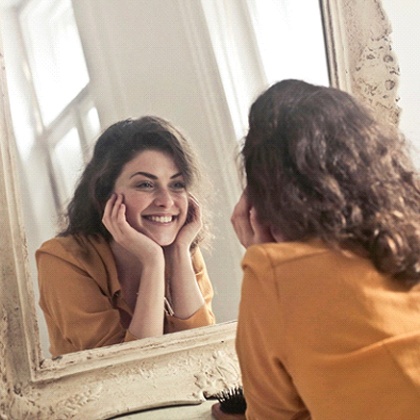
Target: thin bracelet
[167, 307]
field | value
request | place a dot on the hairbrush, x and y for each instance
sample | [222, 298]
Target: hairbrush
[232, 400]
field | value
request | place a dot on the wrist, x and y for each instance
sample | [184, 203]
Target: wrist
[151, 257]
[177, 250]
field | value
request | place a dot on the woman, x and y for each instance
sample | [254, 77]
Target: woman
[329, 321]
[128, 266]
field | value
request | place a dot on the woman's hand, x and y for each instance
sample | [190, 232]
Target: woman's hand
[124, 234]
[247, 227]
[191, 227]
[149, 283]
[182, 287]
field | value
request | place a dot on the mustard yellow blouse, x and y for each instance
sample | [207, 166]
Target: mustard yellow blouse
[323, 335]
[81, 298]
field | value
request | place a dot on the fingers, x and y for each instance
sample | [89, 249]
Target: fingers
[241, 210]
[248, 228]
[194, 210]
[133, 241]
[241, 221]
[253, 219]
[192, 226]
[114, 215]
[106, 217]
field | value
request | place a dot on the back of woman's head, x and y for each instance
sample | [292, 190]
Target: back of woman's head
[116, 146]
[319, 165]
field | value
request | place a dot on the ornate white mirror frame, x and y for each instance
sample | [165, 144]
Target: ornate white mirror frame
[187, 366]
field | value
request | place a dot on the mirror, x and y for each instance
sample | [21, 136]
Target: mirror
[183, 368]
[196, 63]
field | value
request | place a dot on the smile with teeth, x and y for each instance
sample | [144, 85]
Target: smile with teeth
[160, 219]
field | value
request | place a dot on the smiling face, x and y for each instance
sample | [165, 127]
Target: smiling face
[155, 195]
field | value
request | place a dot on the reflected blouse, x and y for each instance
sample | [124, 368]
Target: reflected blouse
[80, 295]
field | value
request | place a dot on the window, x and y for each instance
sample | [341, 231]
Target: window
[53, 113]
[54, 54]
[257, 43]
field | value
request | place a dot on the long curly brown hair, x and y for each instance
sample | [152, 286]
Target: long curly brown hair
[318, 165]
[116, 146]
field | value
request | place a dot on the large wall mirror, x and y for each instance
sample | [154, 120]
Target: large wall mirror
[200, 67]
[75, 67]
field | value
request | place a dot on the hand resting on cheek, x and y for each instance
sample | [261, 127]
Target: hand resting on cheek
[246, 225]
[137, 243]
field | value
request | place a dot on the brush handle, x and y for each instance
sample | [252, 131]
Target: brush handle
[218, 414]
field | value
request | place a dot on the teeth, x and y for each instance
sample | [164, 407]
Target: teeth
[160, 219]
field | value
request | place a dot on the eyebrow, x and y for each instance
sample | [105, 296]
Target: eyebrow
[151, 176]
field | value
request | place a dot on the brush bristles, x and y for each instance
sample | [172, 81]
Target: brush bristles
[232, 400]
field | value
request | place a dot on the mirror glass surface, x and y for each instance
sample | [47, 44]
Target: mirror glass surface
[197, 63]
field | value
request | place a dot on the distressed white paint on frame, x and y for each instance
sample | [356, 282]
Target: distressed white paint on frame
[182, 368]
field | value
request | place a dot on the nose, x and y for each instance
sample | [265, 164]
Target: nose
[163, 198]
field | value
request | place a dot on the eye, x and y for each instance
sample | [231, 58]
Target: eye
[178, 186]
[144, 185]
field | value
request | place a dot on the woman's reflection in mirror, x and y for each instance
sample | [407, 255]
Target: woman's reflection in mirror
[127, 264]
[329, 319]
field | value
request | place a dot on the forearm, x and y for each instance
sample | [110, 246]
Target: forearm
[184, 293]
[148, 314]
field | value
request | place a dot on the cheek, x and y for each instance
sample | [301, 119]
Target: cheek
[130, 215]
[134, 205]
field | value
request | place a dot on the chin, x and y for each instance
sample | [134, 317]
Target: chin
[161, 238]
[163, 241]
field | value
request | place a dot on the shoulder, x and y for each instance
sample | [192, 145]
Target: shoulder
[71, 260]
[293, 267]
[270, 266]
[274, 254]
[308, 264]
[75, 248]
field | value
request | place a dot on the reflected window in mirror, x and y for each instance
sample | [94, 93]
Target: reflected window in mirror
[53, 114]
[55, 57]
